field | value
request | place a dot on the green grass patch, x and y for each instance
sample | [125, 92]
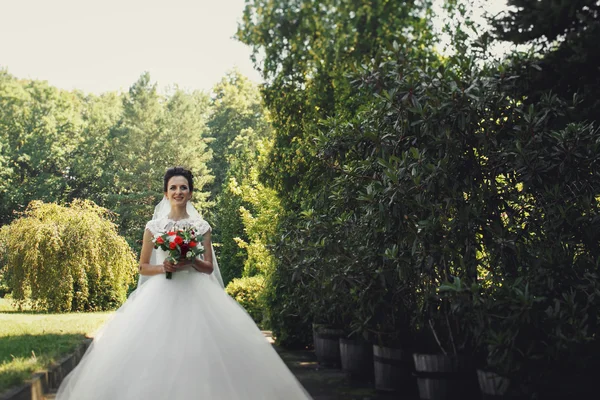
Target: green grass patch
[30, 341]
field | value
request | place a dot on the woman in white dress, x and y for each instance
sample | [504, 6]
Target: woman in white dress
[180, 338]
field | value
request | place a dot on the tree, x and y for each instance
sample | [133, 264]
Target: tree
[565, 35]
[58, 146]
[186, 124]
[307, 48]
[67, 258]
[236, 105]
[152, 135]
[87, 178]
[256, 210]
[40, 128]
[240, 126]
[247, 211]
[309, 52]
[260, 209]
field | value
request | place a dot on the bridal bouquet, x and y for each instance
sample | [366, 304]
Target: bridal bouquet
[180, 244]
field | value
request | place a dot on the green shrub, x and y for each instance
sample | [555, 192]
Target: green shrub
[247, 291]
[67, 258]
[3, 284]
[476, 190]
[3, 278]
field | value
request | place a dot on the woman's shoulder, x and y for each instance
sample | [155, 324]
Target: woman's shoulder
[200, 225]
[156, 226]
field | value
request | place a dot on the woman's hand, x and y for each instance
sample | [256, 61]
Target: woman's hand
[184, 263]
[171, 267]
[168, 266]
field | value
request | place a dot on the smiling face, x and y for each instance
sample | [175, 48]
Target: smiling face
[178, 191]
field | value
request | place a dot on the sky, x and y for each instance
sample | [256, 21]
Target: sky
[478, 12]
[105, 45]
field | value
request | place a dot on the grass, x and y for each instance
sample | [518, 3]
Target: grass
[32, 341]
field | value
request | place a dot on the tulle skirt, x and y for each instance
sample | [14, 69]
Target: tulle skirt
[177, 339]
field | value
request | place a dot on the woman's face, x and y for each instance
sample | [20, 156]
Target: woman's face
[178, 191]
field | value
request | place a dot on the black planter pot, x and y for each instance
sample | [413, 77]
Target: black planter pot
[492, 385]
[441, 377]
[356, 357]
[570, 386]
[327, 345]
[393, 370]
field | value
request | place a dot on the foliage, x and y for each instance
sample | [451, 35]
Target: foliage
[246, 211]
[427, 194]
[248, 291]
[260, 218]
[236, 107]
[228, 228]
[240, 127]
[480, 184]
[3, 284]
[257, 210]
[308, 52]
[444, 203]
[4, 289]
[287, 296]
[56, 146]
[40, 127]
[151, 136]
[67, 258]
[563, 34]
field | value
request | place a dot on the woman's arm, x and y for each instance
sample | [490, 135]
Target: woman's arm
[145, 268]
[205, 265]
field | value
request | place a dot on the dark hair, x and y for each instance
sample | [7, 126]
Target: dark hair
[178, 171]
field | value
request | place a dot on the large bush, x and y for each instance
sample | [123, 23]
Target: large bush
[247, 291]
[67, 258]
[478, 190]
[443, 202]
[3, 284]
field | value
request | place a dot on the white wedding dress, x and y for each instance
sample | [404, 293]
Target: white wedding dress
[180, 339]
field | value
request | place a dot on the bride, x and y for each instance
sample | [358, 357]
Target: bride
[180, 338]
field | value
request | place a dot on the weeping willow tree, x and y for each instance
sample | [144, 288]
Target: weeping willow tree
[69, 258]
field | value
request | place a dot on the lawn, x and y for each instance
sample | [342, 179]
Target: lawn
[31, 341]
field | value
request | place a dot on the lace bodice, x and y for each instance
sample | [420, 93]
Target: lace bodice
[158, 226]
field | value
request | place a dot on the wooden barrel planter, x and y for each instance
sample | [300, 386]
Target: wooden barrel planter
[393, 370]
[327, 345]
[492, 385]
[570, 386]
[441, 377]
[356, 357]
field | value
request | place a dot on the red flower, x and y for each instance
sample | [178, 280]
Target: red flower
[172, 245]
[184, 249]
[178, 240]
[160, 240]
[171, 233]
[193, 244]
